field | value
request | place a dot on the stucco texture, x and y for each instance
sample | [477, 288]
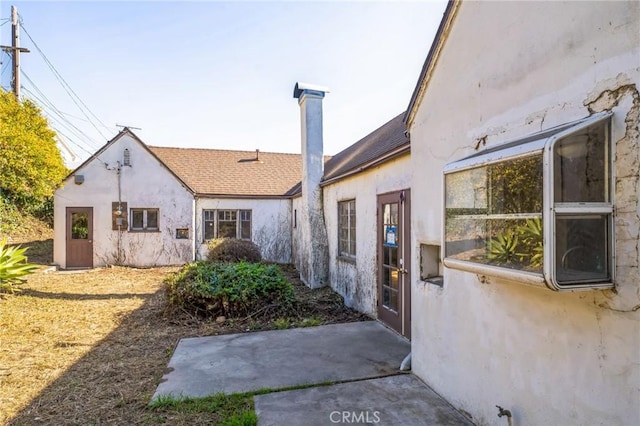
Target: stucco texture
[145, 184]
[356, 279]
[508, 69]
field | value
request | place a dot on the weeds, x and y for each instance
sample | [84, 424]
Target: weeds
[230, 289]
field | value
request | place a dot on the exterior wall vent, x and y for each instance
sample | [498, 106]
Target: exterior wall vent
[127, 157]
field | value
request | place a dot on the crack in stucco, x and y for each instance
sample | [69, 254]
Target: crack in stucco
[627, 186]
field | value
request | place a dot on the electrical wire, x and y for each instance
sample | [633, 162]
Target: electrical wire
[68, 138]
[72, 94]
[44, 101]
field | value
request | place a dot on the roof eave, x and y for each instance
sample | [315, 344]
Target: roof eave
[397, 152]
[429, 64]
[245, 196]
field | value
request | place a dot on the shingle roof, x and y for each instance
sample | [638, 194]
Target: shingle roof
[225, 172]
[389, 137]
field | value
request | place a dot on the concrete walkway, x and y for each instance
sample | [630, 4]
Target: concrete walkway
[393, 400]
[282, 358]
[362, 357]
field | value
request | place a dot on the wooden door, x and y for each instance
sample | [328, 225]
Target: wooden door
[394, 257]
[79, 237]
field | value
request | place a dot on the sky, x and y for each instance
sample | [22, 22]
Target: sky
[214, 74]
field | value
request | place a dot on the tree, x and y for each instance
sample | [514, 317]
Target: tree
[31, 166]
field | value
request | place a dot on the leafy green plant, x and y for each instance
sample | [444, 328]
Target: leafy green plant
[31, 166]
[230, 289]
[13, 266]
[531, 237]
[233, 250]
[503, 249]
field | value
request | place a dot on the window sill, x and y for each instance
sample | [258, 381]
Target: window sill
[513, 275]
[144, 231]
[437, 281]
[347, 259]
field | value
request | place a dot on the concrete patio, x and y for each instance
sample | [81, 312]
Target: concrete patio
[360, 360]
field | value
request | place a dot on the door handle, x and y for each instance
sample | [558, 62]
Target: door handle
[90, 241]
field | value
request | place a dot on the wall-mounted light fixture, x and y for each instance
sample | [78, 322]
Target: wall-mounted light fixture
[78, 179]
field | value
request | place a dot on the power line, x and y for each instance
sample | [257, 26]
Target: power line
[45, 102]
[72, 94]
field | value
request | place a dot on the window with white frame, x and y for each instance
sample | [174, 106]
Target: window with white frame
[347, 228]
[144, 219]
[537, 210]
[226, 224]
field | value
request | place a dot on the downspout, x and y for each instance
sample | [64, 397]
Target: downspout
[194, 244]
[119, 213]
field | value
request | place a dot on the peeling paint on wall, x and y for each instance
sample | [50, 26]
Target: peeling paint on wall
[619, 95]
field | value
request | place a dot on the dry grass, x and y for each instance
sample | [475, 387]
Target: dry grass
[90, 348]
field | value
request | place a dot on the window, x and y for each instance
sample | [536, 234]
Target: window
[182, 233]
[144, 219]
[208, 224]
[538, 210]
[226, 224]
[347, 228]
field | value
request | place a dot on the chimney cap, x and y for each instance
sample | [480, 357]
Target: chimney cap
[308, 87]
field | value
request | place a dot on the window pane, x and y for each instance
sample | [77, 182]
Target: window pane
[227, 215]
[515, 186]
[352, 228]
[580, 167]
[227, 225]
[346, 228]
[79, 226]
[208, 229]
[152, 219]
[245, 231]
[394, 214]
[226, 229]
[137, 219]
[494, 214]
[582, 248]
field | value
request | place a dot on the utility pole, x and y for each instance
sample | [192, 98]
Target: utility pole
[15, 50]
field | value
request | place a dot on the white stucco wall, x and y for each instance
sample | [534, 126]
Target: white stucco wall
[357, 281]
[509, 69]
[296, 234]
[146, 184]
[270, 224]
[313, 253]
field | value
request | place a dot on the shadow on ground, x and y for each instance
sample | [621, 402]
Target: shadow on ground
[114, 381]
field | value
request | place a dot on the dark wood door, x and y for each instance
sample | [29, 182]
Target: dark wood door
[79, 238]
[394, 258]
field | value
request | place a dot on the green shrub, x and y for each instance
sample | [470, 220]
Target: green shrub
[230, 289]
[233, 250]
[13, 266]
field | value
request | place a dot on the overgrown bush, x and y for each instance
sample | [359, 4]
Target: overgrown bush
[233, 250]
[230, 289]
[13, 266]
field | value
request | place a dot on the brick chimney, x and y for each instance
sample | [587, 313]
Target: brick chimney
[313, 244]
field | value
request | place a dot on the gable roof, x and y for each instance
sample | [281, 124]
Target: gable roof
[121, 133]
[382, 144]
[432, 57]
[218, 172]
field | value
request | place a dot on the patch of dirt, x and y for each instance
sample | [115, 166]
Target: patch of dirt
[90, 347]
